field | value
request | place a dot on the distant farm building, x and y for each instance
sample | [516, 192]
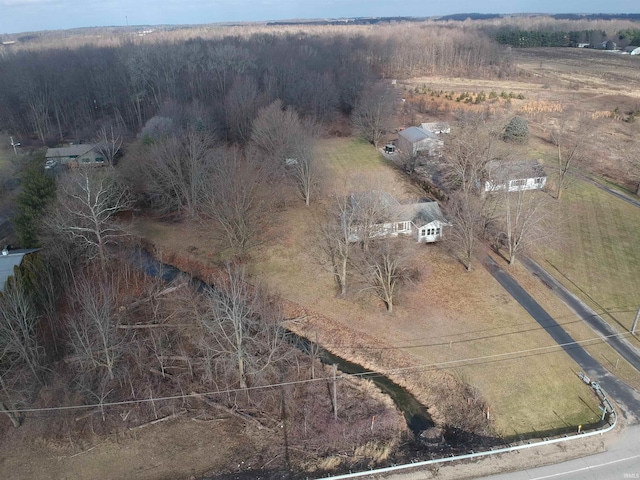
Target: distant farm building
[514, 176]
[76, 155]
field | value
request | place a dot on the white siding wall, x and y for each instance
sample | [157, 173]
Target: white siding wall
[517, 185]
[431, 232]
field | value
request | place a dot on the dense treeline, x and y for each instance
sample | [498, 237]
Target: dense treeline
[542, 38]
[67, 93]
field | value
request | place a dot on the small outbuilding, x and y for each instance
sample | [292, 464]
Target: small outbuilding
[414, 140]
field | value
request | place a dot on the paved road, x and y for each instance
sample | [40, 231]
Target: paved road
[609, 334]
[620, 461]
[613, 192]
[627, 398]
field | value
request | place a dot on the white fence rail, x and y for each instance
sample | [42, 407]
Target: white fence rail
[567, 438]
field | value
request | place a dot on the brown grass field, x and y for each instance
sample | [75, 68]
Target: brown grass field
[453, 328]
[450, 328]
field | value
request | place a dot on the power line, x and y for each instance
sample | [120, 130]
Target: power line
[458, 334]
[368, 374]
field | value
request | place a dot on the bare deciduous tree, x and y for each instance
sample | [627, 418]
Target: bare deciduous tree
[567, 151]
[466, 213]
[93, 329]
[22, 356]
[336, 239]
[176, 173]
[467, 153]
[303, 166]
[20, 347]
[86, 204]
[242, 332]
[273, 132]
[241, 106]
[468, 150]
[525, 220]
[385, 267]
[108, 143]
[369, 211]
[374, 113]
[288, 144]
[238, 200]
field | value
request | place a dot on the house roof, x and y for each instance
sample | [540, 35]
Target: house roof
[12, 259]
[513, 170]
[419, 213]
[416, 134]
[384, 199]
[70, 151]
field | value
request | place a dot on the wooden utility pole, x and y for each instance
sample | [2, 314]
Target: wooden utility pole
[335, 391]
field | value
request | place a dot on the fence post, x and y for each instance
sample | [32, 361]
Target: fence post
[635, 322]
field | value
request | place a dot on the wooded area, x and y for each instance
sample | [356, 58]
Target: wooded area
[220, 134]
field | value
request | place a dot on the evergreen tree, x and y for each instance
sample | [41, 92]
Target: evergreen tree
[38, 190]
[517, 130]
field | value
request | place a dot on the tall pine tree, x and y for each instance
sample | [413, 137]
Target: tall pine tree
[38, 190]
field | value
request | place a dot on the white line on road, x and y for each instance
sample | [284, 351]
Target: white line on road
[586, 468]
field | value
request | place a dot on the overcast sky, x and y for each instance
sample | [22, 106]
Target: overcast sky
[32, 15]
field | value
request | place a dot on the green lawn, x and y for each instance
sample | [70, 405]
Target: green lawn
[600, 256]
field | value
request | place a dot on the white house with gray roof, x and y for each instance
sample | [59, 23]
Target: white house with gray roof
[386, 217]
[514, 176]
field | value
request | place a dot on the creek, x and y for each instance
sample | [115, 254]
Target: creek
[414, 412]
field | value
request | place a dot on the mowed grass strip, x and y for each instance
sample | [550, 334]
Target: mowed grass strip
[446, 316]
[600, 257]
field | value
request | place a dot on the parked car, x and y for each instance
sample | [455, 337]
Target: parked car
[50, 164]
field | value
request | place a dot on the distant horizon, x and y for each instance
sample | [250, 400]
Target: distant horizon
[309, 20]
[30, 16]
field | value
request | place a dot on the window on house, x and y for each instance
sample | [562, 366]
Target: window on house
[518, 183]
[438, 231]
[538, 181]
[400, 226]
[423, 232]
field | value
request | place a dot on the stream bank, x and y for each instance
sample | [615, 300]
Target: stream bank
[449, 440]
